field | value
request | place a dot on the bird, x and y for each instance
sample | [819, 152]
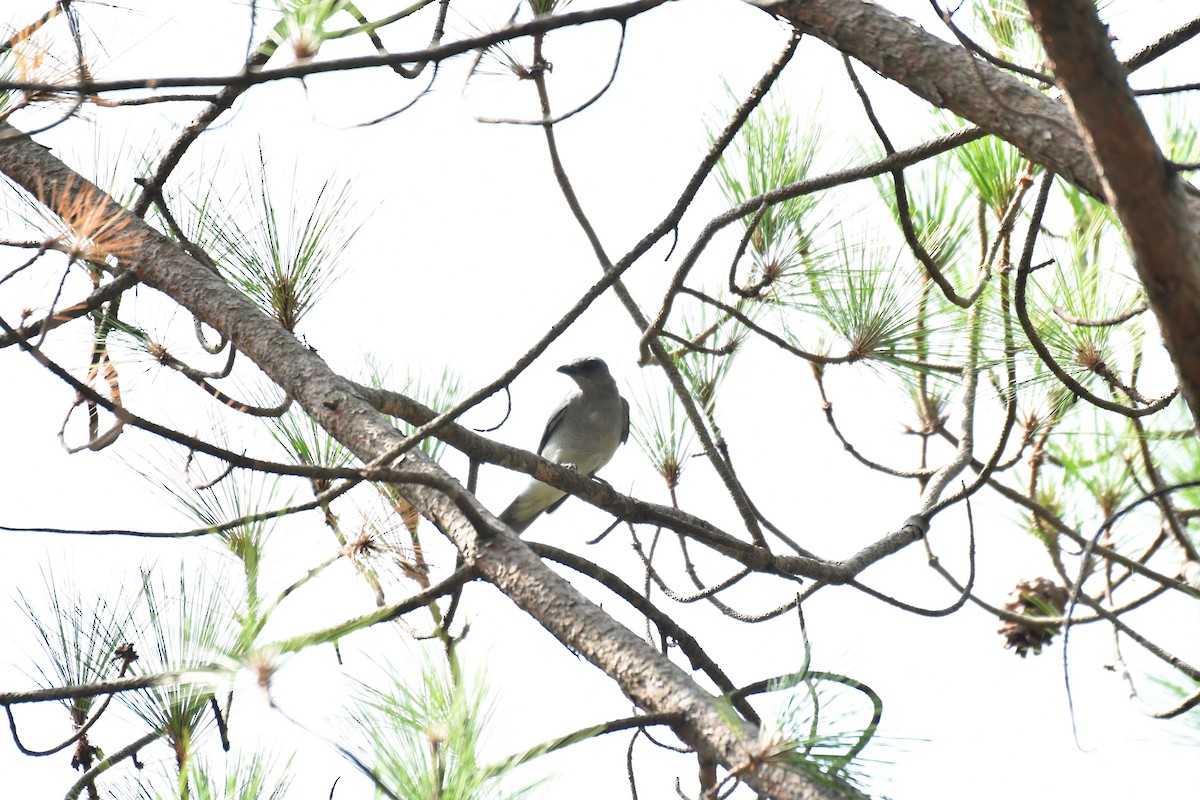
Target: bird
[582, 434]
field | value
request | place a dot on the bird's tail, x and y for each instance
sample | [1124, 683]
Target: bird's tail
[525, 508]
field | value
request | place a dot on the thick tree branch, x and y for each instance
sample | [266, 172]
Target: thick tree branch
[1135, 177]
[948, 76]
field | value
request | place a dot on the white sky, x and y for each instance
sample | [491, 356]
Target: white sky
[467, 254]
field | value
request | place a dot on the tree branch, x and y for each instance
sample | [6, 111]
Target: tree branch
[1135, 177]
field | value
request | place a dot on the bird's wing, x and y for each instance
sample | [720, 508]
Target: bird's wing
[553, 422]
[551, 425]
[625, 421]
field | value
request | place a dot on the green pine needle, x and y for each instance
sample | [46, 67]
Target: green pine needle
[663, 432]
[1006, 24]
[285, 258]
[420, 733]
[78, 636]
[774, 149]
[188, 624]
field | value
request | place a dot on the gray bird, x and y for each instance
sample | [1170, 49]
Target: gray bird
[582, 434]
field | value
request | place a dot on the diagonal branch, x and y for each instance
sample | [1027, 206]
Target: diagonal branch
[1135, 177]
[948, 76]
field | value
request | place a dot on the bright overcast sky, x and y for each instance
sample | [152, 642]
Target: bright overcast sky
[455, 215]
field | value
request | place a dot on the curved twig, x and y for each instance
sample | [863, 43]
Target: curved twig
[903, 213]
[568, 114]
[1035, 340]
[964, 591]
[129, 751]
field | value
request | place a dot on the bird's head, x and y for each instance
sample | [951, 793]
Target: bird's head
[586, 371]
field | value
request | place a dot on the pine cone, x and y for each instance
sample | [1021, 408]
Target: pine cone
[1039, 597]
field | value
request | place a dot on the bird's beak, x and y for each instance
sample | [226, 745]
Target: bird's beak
[567, 369]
